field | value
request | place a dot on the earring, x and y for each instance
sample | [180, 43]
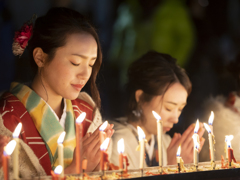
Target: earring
[137, 112]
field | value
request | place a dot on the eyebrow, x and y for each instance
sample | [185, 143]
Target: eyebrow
[84, 57]
[174, 103]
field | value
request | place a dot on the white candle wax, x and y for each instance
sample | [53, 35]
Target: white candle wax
[15, 160]
[16, 151]
[141, 153]
[195, 160]
[159, 134]
[60, 152]
[60, 157]
[210, 138]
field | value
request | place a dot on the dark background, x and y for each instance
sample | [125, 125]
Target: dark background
[202, 34]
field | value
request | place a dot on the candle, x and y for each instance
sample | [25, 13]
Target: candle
[179, 158]
[16, 151]
[230, 151]
[195, 152]
[227, 138]
[141, 137]
[210, 121]
[120, 151]
[102, 133]
[159, 138]
[7, 151]
[57, 171]
[60, 151]
[104, 155]
[196, 136]
[211, 145]
[79, 121]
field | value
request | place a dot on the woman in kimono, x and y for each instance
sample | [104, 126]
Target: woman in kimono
[155, 83]
[65, 53]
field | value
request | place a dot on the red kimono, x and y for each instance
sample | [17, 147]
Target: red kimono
[14, 112]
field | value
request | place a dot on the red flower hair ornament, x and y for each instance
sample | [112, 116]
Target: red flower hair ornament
[22, 37]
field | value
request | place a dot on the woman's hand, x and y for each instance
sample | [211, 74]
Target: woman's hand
[186, 142]
[90, 150]
[3, 142]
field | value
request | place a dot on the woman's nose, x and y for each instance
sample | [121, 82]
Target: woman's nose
[84, 72]
[174, 118]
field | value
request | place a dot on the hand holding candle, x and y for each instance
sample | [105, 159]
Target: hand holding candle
[16, 151]
[79, 121]
[60, 151]
[159, 138]
[7, 151]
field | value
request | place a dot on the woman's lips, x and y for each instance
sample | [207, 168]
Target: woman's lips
[78, 87]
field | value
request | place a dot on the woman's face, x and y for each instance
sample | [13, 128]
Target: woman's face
[71, 67]
[169, 107]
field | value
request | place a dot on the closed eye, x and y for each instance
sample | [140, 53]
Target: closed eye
[75, 64]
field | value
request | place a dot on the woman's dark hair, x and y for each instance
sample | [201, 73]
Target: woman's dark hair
[153, 73]
[50, 32]
[234, 68]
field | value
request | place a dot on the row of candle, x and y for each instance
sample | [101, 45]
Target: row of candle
[104, 145]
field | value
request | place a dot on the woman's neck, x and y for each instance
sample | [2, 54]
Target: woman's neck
[148, 135]
[55, 102]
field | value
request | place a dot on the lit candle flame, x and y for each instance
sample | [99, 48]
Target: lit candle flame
[61, 137]
[103, 126]
[195, 141]
[196, 127]
[17, 130]
[156, 116]
[9, 148]
[211, 118]
[81, 117]
[179, 151]
[228, 138]
[141, 134]
[58, 169]
[121, 146]
[207, 128]
[104, 145]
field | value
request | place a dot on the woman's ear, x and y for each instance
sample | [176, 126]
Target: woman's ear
[138, 94]
[39, 56]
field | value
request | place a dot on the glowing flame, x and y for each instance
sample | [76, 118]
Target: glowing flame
[141, 134]
[103, 126]
[81, 117]
[195, 141]
[9, 148]
[104, 145]
[196, 127]
[61, 137]
[207, 128]
[228, 138]
[229, 144]
[58, 169]
[211, 118]
[156, 116]
[121, 146]
[179, 151]
[17, 130]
